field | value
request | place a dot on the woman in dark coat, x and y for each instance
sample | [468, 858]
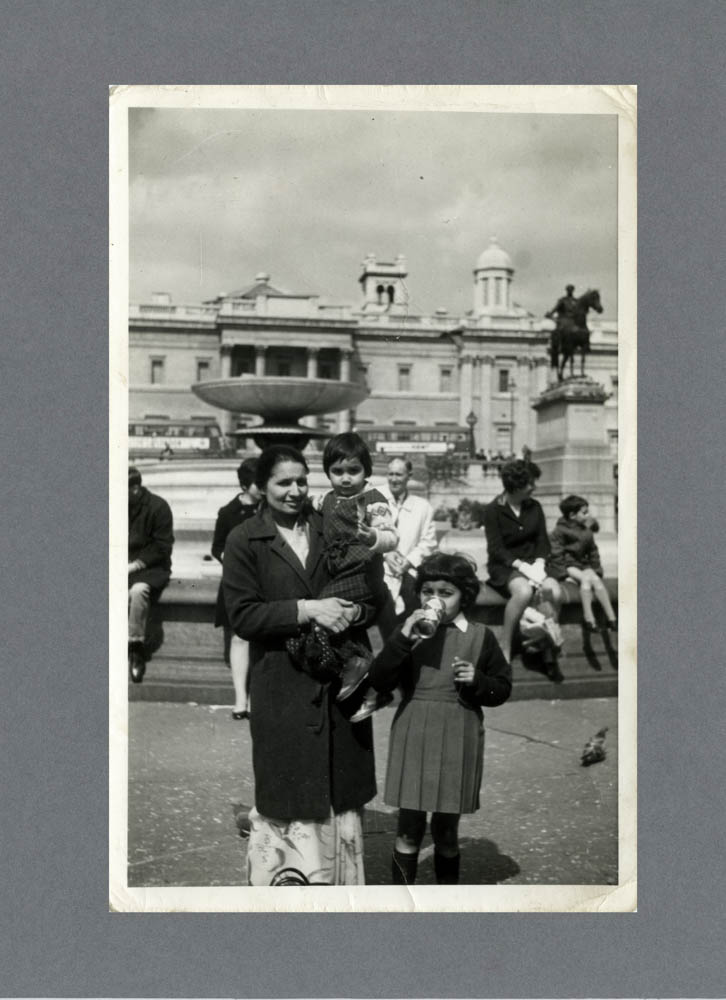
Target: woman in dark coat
[517, 547]
[314, 769]
[236, 650]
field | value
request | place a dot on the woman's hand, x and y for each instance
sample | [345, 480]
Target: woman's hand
[463, 671]
[414, 617]
[332, 613]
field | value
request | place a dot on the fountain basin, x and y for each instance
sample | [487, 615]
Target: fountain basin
[280, 399]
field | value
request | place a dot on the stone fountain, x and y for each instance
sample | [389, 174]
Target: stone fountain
[281, 402]
[196, 489]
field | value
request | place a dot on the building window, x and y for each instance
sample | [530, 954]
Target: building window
[404, 423]
[504, 380]
[202, 369]
[157, 371]
[445, 379]
[325, 369]
[404, 378]
[283, 368]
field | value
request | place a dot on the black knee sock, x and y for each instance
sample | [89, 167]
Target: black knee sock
[446, 869]
[403, 868]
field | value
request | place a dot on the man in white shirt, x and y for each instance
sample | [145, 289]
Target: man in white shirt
[413, 517]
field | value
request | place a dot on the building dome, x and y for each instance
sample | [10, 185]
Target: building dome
[494, 256]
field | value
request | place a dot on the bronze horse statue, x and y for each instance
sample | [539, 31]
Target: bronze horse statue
[571, 334]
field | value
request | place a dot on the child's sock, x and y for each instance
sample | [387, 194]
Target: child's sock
[446, 869]
[403, 868]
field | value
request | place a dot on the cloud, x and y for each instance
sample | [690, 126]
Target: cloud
[305, 195]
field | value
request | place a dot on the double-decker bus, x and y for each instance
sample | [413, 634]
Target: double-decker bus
[157, 438]
[426, 439]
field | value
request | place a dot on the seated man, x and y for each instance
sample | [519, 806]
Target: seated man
[150, 542]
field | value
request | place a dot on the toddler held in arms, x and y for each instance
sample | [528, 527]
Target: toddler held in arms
[357, 529]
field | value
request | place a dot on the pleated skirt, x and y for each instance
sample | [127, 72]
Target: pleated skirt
[435, 757]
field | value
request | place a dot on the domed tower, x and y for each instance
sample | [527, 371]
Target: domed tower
[493, 280]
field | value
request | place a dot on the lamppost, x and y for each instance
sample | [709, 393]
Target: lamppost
[471, 421]
[511, 386]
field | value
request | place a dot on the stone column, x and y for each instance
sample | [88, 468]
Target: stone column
[466, 381]
[227, 419]
[344, 415]
[485, 402]
[574, 456]
[260, 361]
[524, 425]
[312, 372]
[225, 361]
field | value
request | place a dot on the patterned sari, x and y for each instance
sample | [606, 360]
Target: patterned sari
[306, 852]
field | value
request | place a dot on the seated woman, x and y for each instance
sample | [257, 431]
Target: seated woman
[314, 770]
[517, 548]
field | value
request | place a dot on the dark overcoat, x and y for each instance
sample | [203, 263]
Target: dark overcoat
[510, 537]
[228, 517]
[307, 756]
[573, 544]
[151, 538]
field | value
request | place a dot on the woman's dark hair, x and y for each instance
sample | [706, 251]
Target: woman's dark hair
[271, 457]
[455, 568]
[344, 446]
[246, 473]
[516, 475]
[571, 504]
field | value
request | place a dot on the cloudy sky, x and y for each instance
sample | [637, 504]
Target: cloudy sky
[218, 195]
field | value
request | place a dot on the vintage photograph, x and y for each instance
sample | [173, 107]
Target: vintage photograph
[373, 455]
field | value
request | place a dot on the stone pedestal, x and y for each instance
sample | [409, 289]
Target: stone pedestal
[574, 456]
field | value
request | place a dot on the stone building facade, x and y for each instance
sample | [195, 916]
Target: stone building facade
[421, 370]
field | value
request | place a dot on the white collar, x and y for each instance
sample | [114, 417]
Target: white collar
[461, 622]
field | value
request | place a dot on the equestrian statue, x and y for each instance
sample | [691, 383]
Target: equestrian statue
[571, 333]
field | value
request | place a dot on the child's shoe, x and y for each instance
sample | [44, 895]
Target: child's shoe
[371, 703]
[612, 625]
[591, 627]
[354, 672]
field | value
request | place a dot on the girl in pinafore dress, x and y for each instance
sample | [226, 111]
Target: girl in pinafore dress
[436, 749]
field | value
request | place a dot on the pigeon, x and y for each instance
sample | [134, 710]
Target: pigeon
[594, 749]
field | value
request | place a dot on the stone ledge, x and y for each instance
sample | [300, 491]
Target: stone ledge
[195, 600]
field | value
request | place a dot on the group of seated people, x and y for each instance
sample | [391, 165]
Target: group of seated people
[526, 563]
